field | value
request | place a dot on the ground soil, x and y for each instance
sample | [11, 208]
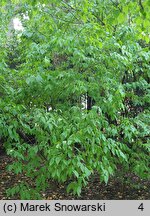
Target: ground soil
[135, 189]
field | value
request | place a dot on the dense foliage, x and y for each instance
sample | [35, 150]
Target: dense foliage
[74, 90]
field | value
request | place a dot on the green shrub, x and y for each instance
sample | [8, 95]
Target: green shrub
[75, 92]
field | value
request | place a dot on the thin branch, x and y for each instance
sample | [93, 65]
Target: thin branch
[116, 4]
[141, 5]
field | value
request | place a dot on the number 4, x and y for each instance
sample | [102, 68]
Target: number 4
[141, 207]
